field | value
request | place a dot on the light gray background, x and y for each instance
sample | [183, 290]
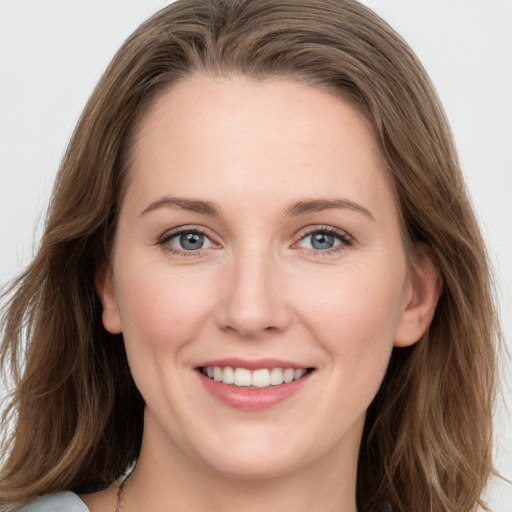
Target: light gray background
[52, 52]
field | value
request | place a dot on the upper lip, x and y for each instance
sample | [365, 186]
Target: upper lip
[253, 364]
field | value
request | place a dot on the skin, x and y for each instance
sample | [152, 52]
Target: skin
[257, 289]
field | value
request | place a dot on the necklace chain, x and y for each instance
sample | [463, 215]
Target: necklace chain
[119, 505]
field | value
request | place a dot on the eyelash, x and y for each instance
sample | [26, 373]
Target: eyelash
[344, 238]
[166, 238]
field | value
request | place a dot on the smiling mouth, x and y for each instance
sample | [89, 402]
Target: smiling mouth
[253, 379]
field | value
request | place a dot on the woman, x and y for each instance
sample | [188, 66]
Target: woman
[261, 280]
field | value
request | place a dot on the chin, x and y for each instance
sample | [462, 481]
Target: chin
[254, 454]
[244, 468]
[249, 453]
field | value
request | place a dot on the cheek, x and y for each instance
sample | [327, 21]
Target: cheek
[162, 313]
[162, 309]
[355, 316]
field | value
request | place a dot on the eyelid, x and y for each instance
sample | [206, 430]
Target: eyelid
[302, 233]
[345, 239]
[164, 239]
[178, 231]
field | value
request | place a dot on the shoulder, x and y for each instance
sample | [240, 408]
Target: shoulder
[65, 501]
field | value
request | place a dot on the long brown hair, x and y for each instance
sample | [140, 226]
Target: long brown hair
[77, 414]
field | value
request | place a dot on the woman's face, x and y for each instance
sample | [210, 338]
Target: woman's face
[258, 242]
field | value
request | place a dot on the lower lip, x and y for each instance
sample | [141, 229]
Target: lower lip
[254, 399]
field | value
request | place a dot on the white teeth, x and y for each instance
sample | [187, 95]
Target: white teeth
[288, 374]
[297, 374]
[261, 378]
[276, 376]
[228, 375]
[243, 377]
[217, 374]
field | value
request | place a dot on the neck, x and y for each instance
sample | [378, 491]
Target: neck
[169, 479]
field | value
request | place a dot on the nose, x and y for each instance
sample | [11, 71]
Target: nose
[253, 301]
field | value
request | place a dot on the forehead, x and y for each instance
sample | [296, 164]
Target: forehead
[276, 139]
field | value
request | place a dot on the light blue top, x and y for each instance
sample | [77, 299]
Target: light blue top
[65, 501]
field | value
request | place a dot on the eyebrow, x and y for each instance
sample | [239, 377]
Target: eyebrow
[318, 205]
[296, 209]
[191, 205]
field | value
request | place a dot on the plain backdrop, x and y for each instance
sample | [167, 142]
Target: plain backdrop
[52, 53]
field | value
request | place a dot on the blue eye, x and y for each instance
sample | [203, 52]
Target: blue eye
[191, 241]
[187, 241]
[324, 240]
[321, 241]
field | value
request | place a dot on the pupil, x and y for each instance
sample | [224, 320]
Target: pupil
[191, 241]
[322, 241]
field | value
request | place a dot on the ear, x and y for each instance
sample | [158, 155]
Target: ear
[105, 289]
[424, 288]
